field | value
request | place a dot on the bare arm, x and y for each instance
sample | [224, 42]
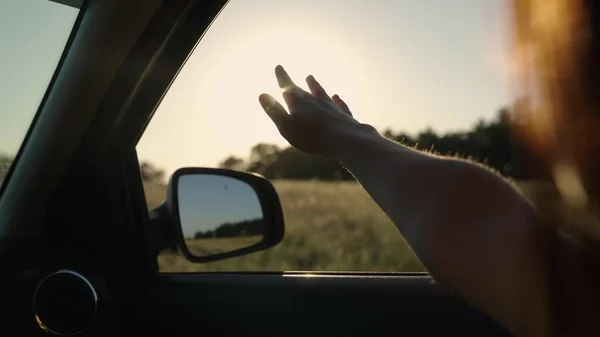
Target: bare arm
[473, 231]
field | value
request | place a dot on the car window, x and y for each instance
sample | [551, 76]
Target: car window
[33, 34]
[424, 72]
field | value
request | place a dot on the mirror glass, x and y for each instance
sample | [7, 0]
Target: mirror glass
[218, 214]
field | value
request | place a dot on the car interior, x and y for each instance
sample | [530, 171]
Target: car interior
[79, 246]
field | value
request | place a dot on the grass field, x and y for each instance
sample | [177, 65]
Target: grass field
[330, 226]
[212, 246]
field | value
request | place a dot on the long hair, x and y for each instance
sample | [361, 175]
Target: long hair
[557, 54]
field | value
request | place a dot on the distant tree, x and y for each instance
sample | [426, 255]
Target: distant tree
[388, 133]
[242, 228]
[151, 173]
[292, 163]
[263, 152]
[233, 163]
[405, 139]
[5, 163]
[427, 139]
[492, 142]
[262, 155]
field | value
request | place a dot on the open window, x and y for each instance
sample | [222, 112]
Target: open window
[421, 72]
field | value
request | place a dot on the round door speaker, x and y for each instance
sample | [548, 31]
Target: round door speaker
[65, 303]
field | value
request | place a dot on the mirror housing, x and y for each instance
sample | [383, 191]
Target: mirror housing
[169, 214]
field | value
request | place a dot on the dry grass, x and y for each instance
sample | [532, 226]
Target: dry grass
[333, 226]
[212, 246]
[330, 226]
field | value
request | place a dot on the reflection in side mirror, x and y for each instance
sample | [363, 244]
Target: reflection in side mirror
[218, 214]
[223, 213]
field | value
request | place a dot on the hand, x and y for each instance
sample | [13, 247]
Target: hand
[316, 123]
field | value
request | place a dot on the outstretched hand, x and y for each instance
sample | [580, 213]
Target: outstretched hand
[315, 121]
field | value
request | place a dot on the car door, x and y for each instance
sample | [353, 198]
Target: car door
[263, 301]
[97, 230]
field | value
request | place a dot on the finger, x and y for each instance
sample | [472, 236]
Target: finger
[341, 105]
[316, 88]
[292, 98]
[275, 111]
[283, 79]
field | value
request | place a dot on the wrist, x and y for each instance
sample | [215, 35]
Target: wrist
[347, 141]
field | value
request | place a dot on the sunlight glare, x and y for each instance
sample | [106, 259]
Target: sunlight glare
[398, 72]
[247, 70]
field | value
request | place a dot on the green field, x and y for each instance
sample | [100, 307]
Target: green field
[330, 226]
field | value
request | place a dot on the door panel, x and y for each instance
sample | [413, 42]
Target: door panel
[301, 305]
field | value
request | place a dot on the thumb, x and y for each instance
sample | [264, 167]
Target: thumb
[275, 111]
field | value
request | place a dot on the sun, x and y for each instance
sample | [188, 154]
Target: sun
[213, 103]
[246, 69]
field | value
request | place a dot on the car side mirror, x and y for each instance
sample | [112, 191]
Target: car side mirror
[215, 214]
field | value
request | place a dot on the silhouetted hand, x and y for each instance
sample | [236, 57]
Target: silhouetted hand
[316, 123]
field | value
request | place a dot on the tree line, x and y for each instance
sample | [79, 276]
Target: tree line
[489, 142]
[149, 172]
[5, 162]
[241, 228]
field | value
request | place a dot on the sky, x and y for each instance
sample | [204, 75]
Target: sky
[33, 34]
[404, 65]
[207, 201]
